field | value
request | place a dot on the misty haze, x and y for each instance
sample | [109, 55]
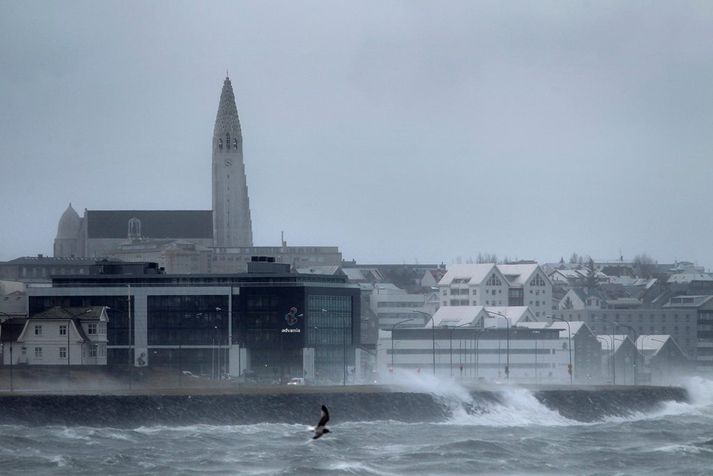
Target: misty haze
[356, 238]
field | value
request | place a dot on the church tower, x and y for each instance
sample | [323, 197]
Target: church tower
[232, 226]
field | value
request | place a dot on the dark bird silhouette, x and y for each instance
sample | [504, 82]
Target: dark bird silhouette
[320, 429]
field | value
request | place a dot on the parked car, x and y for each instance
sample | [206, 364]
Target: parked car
[296, 381]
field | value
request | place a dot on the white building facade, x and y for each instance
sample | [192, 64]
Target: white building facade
[497, 285]
[58, 336]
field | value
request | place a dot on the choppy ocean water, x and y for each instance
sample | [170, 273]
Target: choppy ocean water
[517, 435]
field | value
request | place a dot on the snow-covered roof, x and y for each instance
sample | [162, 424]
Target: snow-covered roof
[518, 273]
[688, 301]
[576, 326]
[388, 288]
[354, 274]
[329, 270]
[606, 341]
[689, 277]
[652, 342]
[475, 273]
[452, 316]
[514, 314]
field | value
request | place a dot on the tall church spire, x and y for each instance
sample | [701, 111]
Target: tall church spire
[232, 226]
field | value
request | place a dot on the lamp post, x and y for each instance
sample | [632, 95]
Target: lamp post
[613, 366]
[507, 321]
[635, 333]
[668, 365]
[392, 337]
[433, 335]
[450, 343]
[129, 350]
[476, 337]
[9, 316]
[570, 369]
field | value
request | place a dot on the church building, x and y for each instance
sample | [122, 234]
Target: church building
[188, 241]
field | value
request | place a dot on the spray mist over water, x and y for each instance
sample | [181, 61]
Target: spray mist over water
[513, 406]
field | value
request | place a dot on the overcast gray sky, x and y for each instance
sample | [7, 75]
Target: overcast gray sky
[399, 131]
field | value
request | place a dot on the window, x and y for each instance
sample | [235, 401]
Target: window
[493, 280]
[38, 353]
[92, 328]
[93, 351]
[62, 352]
[63, 330]
[38, 330]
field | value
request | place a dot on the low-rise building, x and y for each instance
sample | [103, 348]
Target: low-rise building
[621, 362]
[663, 358]
[58, 336]
[676, 320]
[472, 343]
[585, 348]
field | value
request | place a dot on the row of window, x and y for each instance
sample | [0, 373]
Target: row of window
[94, 351]
[93, 328]
[401, 303]
[465, 291]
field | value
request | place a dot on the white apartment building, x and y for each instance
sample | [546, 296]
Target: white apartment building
[497, 285]
[61, 336]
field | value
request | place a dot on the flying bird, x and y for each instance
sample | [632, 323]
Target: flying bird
[320, 429]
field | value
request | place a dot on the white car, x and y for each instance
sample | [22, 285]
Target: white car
[296, 381]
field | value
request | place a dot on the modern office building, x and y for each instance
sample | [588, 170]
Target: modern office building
[269, 324]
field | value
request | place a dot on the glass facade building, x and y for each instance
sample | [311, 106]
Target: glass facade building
[267, 326]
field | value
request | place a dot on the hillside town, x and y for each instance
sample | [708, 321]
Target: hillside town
[581, 321]
[188, 293]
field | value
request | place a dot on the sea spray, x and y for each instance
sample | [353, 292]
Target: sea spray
[508, 406]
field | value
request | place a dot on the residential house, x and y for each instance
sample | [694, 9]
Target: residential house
[60, 336]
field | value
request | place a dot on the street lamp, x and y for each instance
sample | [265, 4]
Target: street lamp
[450, 343]
[570, 369]
[507, 321]
[392, 337]
[9, 316]
[668, 365]
[477, 333]
[613, 366]
[433, 334]
[636, 335]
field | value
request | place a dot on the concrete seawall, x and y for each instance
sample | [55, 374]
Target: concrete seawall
[300, 405]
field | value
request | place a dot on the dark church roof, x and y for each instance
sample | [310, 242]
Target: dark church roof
[154, 223]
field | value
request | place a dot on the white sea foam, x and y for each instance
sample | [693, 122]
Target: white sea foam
[700, 390]
[427, 383]
[518, 406]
